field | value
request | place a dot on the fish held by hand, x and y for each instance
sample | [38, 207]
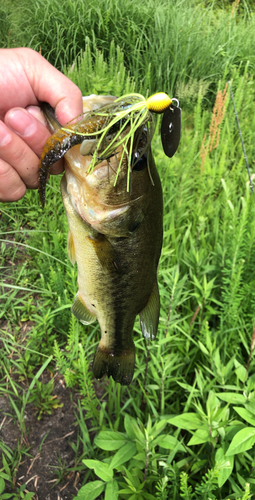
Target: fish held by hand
[115, 233]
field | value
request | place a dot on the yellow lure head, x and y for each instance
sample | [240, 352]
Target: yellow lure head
[159, 102]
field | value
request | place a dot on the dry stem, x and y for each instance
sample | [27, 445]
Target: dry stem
[214, 131]
[252, 349]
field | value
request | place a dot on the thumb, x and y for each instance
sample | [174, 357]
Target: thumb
[50, 85]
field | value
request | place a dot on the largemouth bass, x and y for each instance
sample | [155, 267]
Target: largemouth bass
[115, 236]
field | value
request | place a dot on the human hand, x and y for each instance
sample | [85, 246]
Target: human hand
[25, 79]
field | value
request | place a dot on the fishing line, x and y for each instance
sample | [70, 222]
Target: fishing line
[241, 137]
[101, 132]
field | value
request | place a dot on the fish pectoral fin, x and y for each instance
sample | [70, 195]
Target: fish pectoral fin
[120, 366]
[149, 316]
[81, 312]
[70, 248]
[105, 253]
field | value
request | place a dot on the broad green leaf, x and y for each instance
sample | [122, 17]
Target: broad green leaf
[111, 491]
[203, 348]
[90, 491]
[186, 421]
[168, 443]
[2, 485]
[225, 471]
[245, 414]
[123, 455]
[232, 430]
[212, 404]
[132, 478]
[102, 470]
[140, 456]
[250, 406]
[132, 429]
[242, 441]
[5, 476]
[196, 282]
[109, 440]
[157, 429]
[148, 496]
[241, 371]
[125, 491]
[6, 466]
[231, 397]
[225, 466]
[196, 466]
[199, 437]
[241, 481]
[189, 388]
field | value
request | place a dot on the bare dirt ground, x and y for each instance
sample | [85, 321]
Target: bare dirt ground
[39, 468]
[48, 440]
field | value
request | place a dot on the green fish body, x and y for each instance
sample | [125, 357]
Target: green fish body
[115, 237]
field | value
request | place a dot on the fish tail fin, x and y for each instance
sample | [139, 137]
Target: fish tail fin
[119, 366]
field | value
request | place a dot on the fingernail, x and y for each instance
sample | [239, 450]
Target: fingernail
[37, 113]
[5, 135]
[21, 122]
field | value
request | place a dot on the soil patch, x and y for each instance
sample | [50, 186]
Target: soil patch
[50, 455]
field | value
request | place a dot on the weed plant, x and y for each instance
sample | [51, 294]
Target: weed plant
[185, 427]
[163, 43]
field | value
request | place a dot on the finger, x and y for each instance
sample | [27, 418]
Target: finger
[38, 114]
[35, 111]
[52, 86]
[27, 78]
[12, 188]
[33, 132]
[17, 153]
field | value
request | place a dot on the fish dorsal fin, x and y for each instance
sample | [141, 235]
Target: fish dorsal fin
[81, 312]
[149, 316]
[70, 248]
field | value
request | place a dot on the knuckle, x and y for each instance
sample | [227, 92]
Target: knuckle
[19, 154]
[12, 187]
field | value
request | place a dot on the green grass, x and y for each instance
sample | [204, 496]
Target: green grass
[197, 364]
[164, 44]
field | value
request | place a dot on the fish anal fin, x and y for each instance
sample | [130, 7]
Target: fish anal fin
[149, 316]
[120, 366]
[70, 248]
[105, 253]
[81, 312]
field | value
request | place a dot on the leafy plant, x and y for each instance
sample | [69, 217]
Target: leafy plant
[5, 475]
[185, 427]
[43, 400]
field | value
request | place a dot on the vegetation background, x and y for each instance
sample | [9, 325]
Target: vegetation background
[185, 428]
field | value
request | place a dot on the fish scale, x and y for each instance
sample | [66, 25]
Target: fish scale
[115, 237]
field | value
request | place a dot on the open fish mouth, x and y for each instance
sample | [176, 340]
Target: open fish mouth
[113, 201]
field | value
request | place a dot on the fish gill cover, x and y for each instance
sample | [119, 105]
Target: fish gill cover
[111, 126]
[115, 227]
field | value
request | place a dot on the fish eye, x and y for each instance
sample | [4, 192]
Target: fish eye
[139, 162]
